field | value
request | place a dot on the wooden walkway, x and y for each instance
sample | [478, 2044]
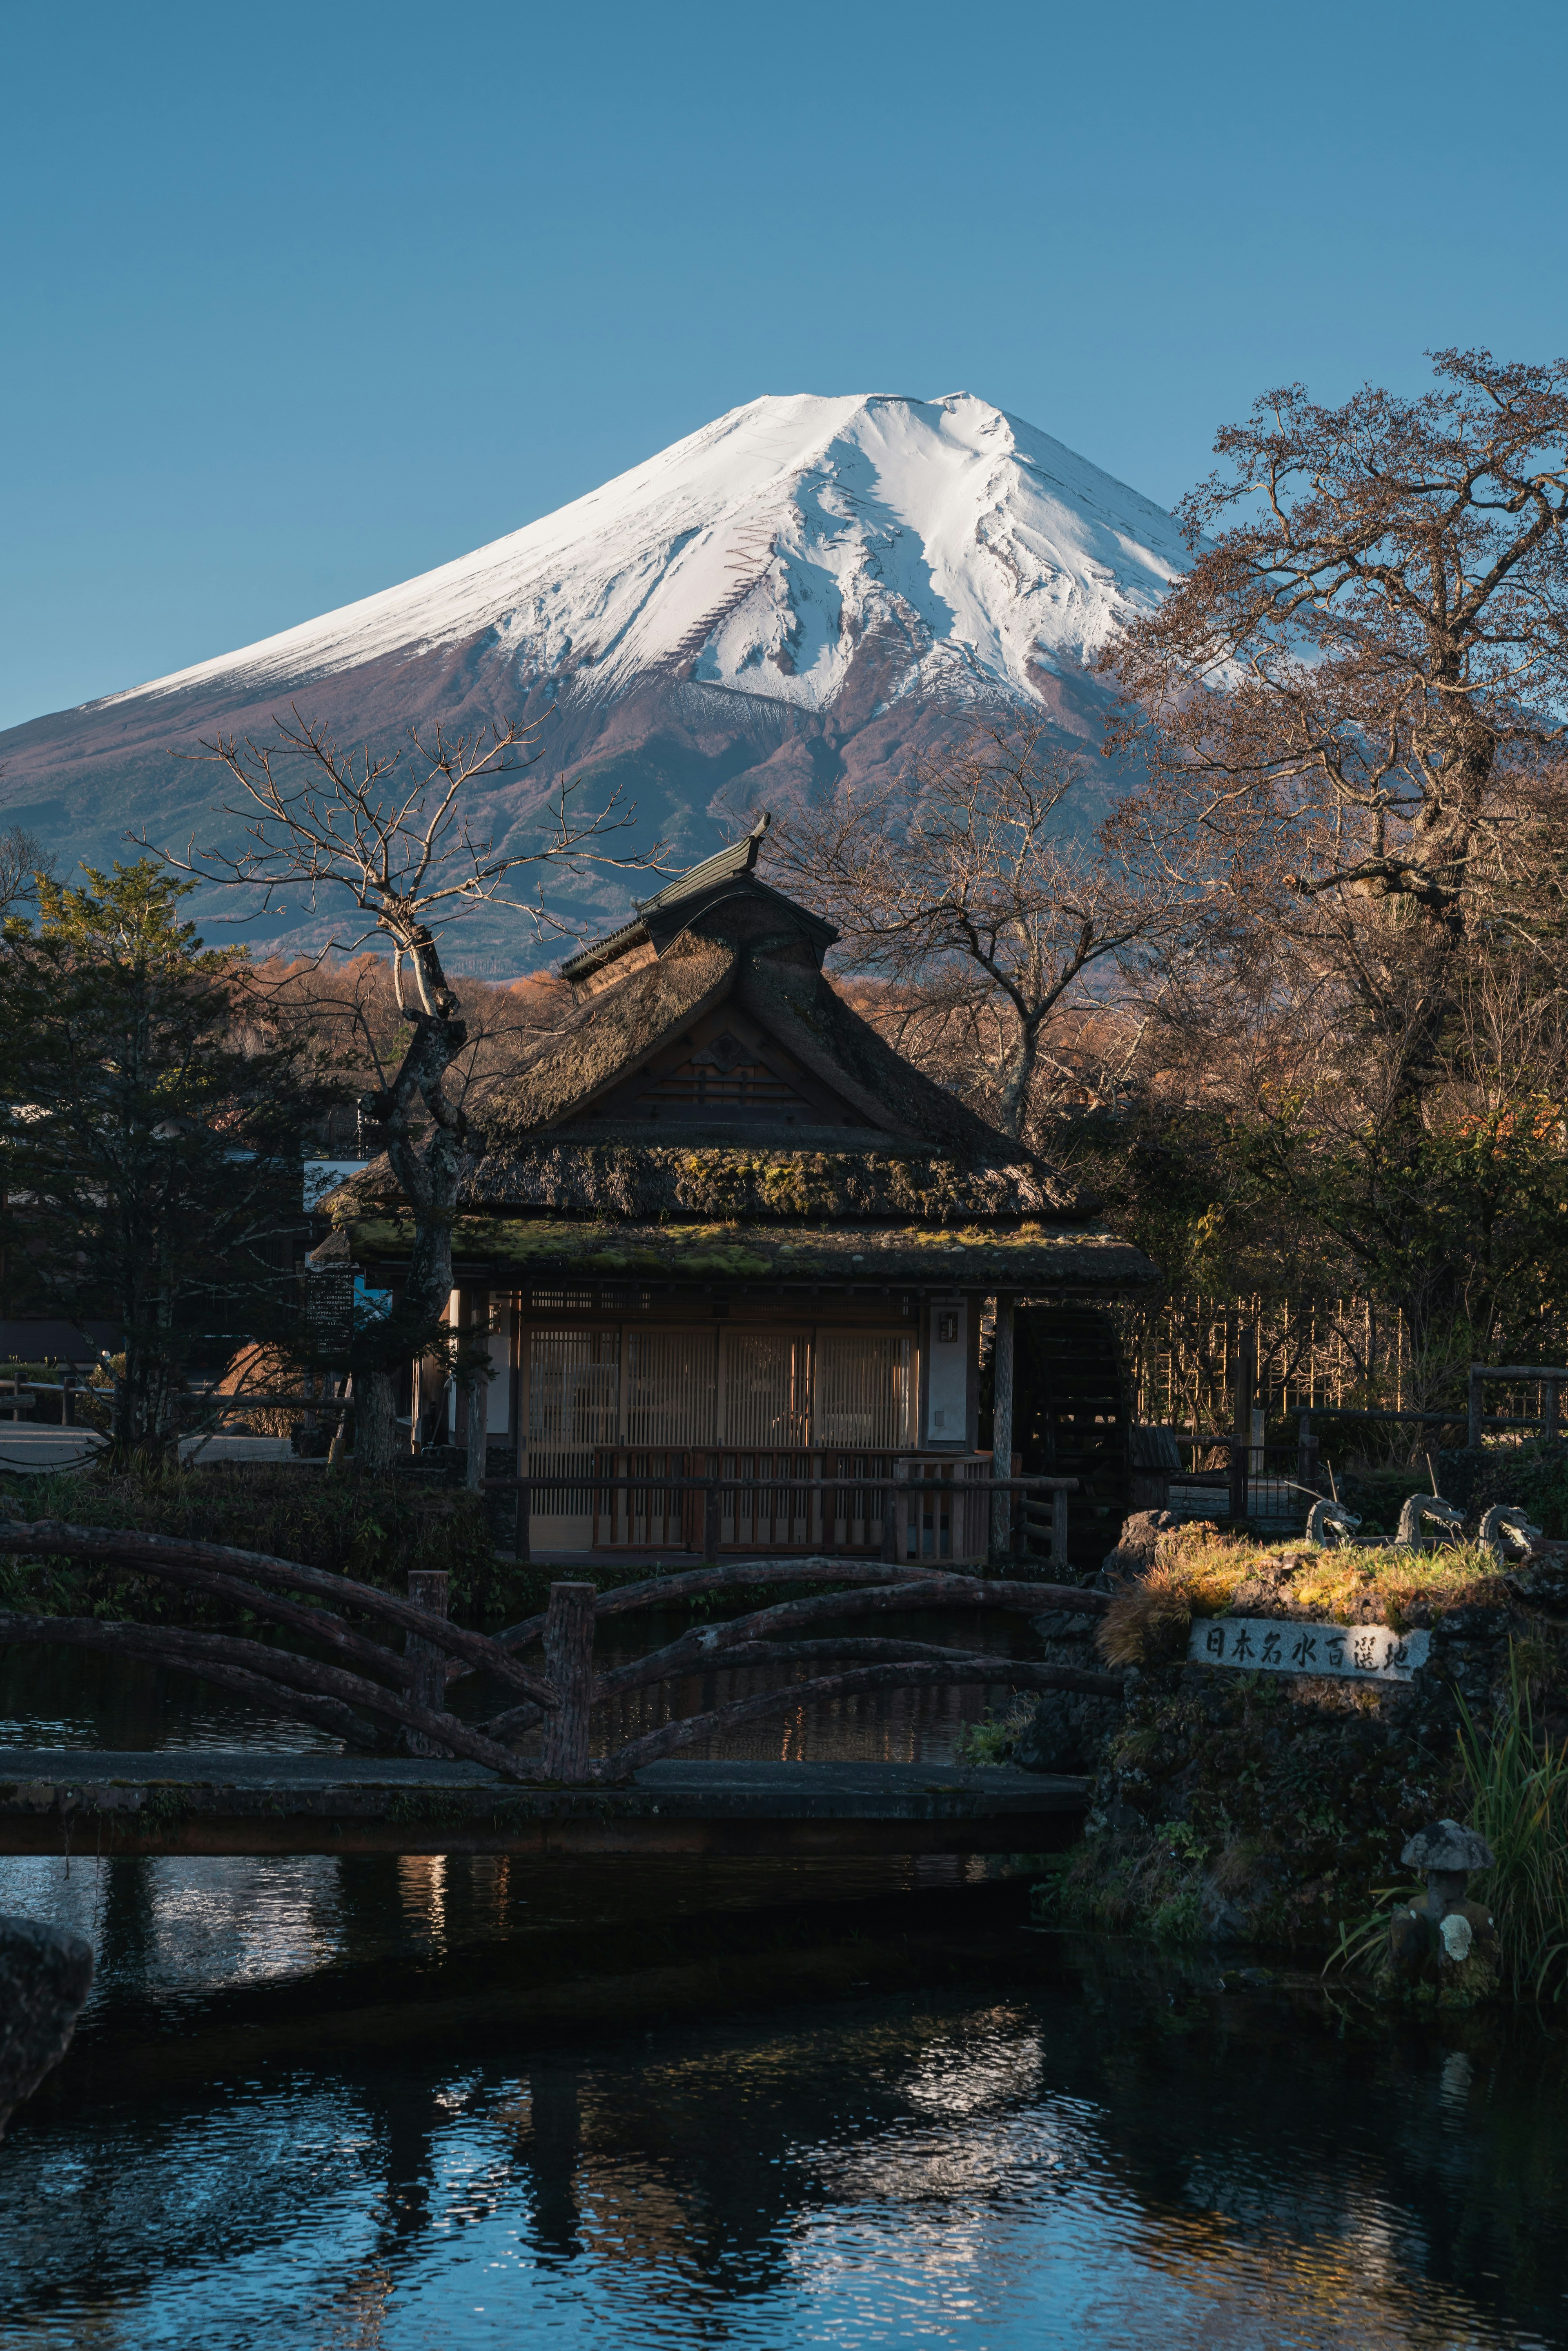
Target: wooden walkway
[77, 1802]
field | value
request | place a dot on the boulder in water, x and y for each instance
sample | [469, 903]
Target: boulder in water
[45, 1975]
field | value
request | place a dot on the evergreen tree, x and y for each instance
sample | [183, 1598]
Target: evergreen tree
[150, 1138]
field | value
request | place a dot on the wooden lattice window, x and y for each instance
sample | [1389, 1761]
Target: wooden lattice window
[864, 1390]
[765, 1389]
[669, 1388]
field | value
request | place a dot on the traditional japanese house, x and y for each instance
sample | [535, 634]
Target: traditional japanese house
[722, 1228]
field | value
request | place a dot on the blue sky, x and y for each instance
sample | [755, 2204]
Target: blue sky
[301, 301]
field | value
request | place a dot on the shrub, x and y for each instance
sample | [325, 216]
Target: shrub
[374, 1531]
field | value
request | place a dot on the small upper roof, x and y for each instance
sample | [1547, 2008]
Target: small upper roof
[662, 917]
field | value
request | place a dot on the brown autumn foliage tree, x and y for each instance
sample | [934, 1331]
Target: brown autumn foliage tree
[1351, 714]
[1351, 708]
[981, 907]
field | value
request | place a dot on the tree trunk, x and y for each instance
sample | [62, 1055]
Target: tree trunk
[375, 1422]
[1012, 1100]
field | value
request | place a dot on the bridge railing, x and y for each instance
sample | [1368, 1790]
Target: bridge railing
[558, 1699]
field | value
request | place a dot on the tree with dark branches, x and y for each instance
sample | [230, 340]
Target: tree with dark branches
[390, 834]
[976, 889]
[1351, 708]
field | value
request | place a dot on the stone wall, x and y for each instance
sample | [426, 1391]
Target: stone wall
[1265, 1807]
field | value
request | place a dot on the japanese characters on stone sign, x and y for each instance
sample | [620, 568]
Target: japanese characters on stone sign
[1263, 1645]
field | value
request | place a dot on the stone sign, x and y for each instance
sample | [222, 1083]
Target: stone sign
[1266, 1645]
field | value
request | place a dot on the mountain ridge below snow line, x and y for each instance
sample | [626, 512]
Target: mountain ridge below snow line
[806, 589]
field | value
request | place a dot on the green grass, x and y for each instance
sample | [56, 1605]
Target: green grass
[1518, 1789]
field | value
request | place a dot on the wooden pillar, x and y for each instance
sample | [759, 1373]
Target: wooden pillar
[712, 1505]
[1553, 1430]
[428, 1587]
[569, 1662]
[1473, 1420]
[1059, 1529]
[1241, 1426]
[1308, 1467]
[1002, 1425]
[474, 1382]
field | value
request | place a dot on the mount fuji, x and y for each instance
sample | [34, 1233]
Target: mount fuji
[806, 589]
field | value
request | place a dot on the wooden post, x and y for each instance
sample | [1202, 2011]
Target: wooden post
[1241, 1435]
[1306, 1445]
[522, 1542]
[1552, 1430]
[1002, 1425]
[1059, 1529]
[1309, 1468]
[474, 1384]
[569, 1662]
[900, 1516]
[1473, 1425]
[428, 1587]
[712, 1507]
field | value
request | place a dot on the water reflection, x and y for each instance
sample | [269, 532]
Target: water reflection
[56, 1698]
[314, 2104]
[1003, 2171]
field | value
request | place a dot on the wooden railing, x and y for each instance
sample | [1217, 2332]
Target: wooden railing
[337, 1693]
[902, 1536]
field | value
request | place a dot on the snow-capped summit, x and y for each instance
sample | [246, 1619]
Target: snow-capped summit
[805, 586]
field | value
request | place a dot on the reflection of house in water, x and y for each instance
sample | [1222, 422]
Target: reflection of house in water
[723, 1229]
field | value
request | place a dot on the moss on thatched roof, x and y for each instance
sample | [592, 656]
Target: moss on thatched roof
[1027, 1258]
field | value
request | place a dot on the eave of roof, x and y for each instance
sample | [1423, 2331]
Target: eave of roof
[1028, 1257]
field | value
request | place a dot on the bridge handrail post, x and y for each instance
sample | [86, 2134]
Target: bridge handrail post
[569, 1662]
[1058, 1527]
[712, 1521]
[428, 1587]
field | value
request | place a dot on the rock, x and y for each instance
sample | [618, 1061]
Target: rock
[1446, 1845]
[1067, 1732]
[44, 1977]
[1134, 1551]
[1223, 1920]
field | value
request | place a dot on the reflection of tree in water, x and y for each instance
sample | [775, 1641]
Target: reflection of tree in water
[1232, 2148]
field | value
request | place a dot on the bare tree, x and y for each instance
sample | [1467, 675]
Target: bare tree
[1352, 705]
[985, 900]
[22, 859]
[389, 833]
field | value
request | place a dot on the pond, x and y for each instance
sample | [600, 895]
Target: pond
[366, 2104]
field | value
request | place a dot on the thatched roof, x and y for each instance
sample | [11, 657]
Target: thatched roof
[1027, 1258]
[612, 1142]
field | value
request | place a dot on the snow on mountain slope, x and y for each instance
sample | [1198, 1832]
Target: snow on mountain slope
[757, 554]
[805, 590]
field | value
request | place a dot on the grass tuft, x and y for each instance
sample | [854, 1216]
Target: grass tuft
[1518, 1788]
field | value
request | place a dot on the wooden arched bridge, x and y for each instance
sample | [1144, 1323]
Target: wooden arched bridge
[419, 1776]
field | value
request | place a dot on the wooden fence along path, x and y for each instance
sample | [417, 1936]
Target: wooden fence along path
[1341, 1355]
[373, 1696]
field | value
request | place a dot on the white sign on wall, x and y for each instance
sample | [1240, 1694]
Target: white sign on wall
[948, 1372]
[1263, 1645]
